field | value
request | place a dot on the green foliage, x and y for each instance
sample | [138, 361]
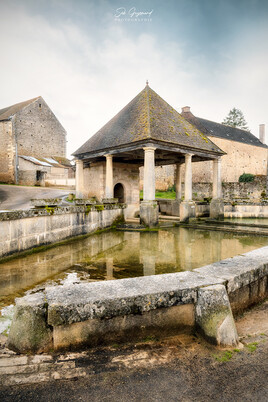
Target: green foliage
[225, 357]
[246, 178]
[171, 188]
[235, 118]
[263, 194]
[252, 346]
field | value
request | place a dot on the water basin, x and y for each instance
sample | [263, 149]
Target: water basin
[115, 255]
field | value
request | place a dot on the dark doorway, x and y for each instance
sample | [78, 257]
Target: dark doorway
[119, 192]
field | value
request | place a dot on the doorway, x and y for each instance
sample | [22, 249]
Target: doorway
[119, 192]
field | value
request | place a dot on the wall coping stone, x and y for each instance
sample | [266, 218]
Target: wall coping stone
[58, 210]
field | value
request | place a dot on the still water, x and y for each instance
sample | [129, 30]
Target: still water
[116, 255]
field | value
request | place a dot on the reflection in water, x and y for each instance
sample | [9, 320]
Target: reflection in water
[116, 255]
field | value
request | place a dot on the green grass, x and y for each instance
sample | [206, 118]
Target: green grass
[252, 346]
[171, 195]
[226, 356]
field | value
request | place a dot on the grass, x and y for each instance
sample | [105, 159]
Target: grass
[226, 356]
[171, 195]
[252, 346]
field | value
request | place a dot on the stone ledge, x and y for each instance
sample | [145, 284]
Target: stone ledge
[64, 307]
[57, 210]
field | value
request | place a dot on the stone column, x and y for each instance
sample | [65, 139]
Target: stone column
[178, 182]
[149, 174]
[188, 177]
[217, 205]
[79, 178]
[149, 207]
[187, 207]
[217, 178]
[109, 187]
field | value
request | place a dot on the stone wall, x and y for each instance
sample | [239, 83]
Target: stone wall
[89, 314]
[23, 230]
[38, 131]
[7, 153]
[240, 158]
[126, 174]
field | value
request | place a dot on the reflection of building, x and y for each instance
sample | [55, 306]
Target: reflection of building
[32, 144]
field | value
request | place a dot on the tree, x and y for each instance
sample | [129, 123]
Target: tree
[235, 118]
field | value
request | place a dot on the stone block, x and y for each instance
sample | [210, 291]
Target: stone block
[187, 210]
[149, 213]
[161, 322]
[29, 331]
[216, 209]
[214, 318]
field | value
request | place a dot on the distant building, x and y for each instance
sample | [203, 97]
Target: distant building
[245, 153]
[32, 144]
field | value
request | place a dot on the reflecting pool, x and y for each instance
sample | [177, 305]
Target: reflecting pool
[116, 255]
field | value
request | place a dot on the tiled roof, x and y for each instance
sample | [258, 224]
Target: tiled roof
[213, 129]
[148, 117]
[9, 111]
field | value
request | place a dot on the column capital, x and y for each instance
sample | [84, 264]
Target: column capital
[149, 149]
[189, 155]
[108, 156]
[77, 161]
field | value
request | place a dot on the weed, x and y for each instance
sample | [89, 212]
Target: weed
[252, 346]
[225, 357]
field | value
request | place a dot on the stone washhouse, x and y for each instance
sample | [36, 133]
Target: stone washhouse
[146, 132]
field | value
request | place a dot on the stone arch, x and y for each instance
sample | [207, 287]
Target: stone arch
[119, 192]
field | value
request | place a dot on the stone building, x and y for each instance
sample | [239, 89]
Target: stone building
[147, 132]
[245, 153]
[30, 129]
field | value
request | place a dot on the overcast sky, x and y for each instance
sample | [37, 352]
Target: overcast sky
[88, 59]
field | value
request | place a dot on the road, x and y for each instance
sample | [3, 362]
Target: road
[19, 197]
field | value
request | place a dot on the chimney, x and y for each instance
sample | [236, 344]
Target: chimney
[185, 109]
[262, 133]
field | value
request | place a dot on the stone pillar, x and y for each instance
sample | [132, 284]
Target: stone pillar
[79, 178]
[149, 174]
[216, 178]
[217, 205]
[214, 317]
[178, 182]
[109, 186]
[175, 207]
[188, 178]
[149, 207]
[187, 207]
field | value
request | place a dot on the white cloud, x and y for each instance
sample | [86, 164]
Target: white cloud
[87, 78]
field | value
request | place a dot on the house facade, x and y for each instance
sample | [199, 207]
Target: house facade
[244, 153]
[30, 129]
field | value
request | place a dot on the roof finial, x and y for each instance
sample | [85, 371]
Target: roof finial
[147, 82]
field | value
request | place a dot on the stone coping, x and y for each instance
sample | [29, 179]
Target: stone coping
[107, 299]
[57, 210]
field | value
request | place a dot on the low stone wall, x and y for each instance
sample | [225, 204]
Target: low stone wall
[23, 230]
[231, 210]
[65, 317]
[246, 211]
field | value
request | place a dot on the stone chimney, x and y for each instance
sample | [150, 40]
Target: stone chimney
[185, 109]
[262, 133]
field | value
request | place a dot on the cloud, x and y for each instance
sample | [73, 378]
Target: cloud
[87, 71]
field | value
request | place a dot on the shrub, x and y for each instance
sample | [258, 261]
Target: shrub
[246, 178]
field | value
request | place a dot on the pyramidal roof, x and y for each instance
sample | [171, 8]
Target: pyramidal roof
[9, 111]
[148, 118]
